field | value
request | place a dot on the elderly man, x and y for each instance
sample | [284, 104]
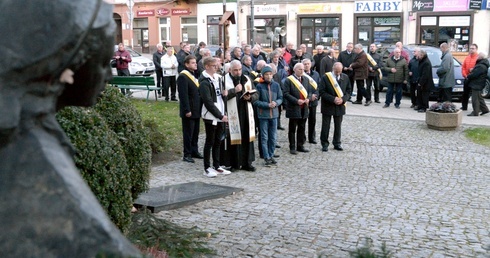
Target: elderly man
[397, 69]
[169, 66]
[317, 58]
[157, 56]
[306, 54]
[297, 58]
[297, 92]
[446, 74]
[403, 54]
[334, 92]
[204, 52]
[413, 73]
[246, 65]
[360, 68]
[346, 57]
[326, 64]
[256, 57]
[314, 79]
[182, 54]
[240, 142]
[425, 81]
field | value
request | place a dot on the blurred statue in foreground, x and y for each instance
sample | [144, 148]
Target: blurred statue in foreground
[55, 53]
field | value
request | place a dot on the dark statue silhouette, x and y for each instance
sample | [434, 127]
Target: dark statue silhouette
[54, 53]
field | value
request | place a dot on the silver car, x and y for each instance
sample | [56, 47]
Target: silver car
[140, 65]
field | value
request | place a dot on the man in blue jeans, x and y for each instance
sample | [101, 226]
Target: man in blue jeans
[270, 97]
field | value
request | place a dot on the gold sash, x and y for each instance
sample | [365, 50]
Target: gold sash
[191, 77]
[299, 86]
[371, 60]
[335, 85]
[312, 82]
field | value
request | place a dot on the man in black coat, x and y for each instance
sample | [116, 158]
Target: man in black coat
[297, 91]
[476, 81]
[334, 91]
[374, 71]
[346, 57]
[190, 108]
[413, 72]
[157, 56]
[181, 55]
[326, 64]
[314, 79]
[317, 58]
[425, 81]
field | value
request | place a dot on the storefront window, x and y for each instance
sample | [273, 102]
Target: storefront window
[164, 30]
[454, 30]
[268, 32]
[378, 30]
[189, 29]
[141, 35]
[320, 31]
[213, 30]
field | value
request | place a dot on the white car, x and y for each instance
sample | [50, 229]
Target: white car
[139, 65]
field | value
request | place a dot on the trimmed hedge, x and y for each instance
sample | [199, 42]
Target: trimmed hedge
[123, 118]
[100, 159]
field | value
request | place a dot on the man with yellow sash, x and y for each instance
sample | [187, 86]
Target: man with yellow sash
[314, 79]
[374, 76]
[297, 91]
[239, 144]
[190, 108]
[334, 91]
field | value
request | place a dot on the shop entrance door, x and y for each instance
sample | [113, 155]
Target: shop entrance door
[141, 40]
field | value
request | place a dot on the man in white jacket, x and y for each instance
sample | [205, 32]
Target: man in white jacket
[169, 65]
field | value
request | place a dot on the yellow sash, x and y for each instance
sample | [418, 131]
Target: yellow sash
[335, 85]
[191, 77]
[299, 86]
[371, 60]
[254, 73]
[312, 82]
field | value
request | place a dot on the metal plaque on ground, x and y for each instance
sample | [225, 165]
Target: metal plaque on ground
[175, 196]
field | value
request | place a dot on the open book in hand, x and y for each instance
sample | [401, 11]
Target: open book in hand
[248, 92]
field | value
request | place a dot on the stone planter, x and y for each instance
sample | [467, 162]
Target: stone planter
[443, 121]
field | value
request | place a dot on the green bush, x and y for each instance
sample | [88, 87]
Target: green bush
[100, 159]
[123, 118]
[157, 138]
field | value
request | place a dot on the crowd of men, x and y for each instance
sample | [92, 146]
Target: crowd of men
[240, 94]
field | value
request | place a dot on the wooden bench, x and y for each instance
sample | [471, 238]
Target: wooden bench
[135, 83]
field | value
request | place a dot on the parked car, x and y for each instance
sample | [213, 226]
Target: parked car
[434, 54]
[139, 66]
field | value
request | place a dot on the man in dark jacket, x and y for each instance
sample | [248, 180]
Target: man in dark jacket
[181, 55]
[346, 57]
[326, 64]
[360, 68]
[157, 57]
[190, 108]
[413, 72]
[446, 74]
[397, 69]
[314, 79]
[297, 92]
[297, 58]
[320, 54]
[477, 78]
[375, 62]
[425, 81]
[334, 91]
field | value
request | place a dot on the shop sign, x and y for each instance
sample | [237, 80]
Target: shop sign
[181, 11]
[319, 8]
[145, 13]
[163, 11]
[439, 5]
[475, 4]
[270, 9]
[377, 6]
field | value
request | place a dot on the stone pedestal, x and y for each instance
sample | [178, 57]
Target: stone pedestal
[443, 121]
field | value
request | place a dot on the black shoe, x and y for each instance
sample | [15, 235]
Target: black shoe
[249, 168]
[357, 102]
[325, 148]
[281, 128]
[278, 146]
[368, 103]
[198, 156]
[294, 152]
[472, 114]
[303, 149]
[397, 106]
[377, 101]
[188, 159]
[339, 148]
[386, 106]
[276, 156]
[483, 113]
[421, 110]
[166, 100]
[174, 100]
[313, 142]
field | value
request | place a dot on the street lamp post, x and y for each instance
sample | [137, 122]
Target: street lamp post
[130, 4]
[252, 24]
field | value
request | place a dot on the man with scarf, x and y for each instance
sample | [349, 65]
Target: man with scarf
[190, 107]
[297, 92]
[239, 144]
[314, 79]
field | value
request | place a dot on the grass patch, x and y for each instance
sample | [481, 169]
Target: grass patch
[479, 135]
[164, 117]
